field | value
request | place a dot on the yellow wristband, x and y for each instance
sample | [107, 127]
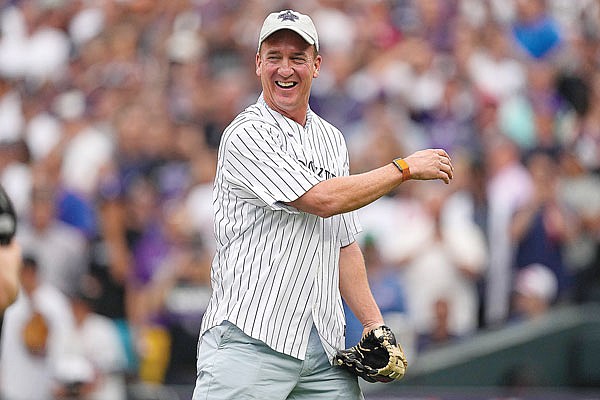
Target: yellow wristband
[403, 167]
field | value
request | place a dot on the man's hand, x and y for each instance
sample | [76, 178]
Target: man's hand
[376, 358]
[430, 164]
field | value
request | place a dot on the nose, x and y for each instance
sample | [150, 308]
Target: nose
[285, 68]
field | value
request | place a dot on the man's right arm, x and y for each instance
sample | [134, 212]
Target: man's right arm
[348, 193]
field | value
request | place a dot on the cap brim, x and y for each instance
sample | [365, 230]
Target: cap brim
[307, 38]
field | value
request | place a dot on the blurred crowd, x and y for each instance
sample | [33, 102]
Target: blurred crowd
[111, 113]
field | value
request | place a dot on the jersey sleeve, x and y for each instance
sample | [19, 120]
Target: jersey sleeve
[349, 228]
[257, 167]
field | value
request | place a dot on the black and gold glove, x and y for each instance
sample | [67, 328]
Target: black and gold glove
[376, 358]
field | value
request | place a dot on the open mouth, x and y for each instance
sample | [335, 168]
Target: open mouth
[286, 85]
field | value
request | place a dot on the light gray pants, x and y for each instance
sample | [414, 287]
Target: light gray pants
[232, 365]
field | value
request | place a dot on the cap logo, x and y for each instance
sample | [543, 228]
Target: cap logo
[288, 16]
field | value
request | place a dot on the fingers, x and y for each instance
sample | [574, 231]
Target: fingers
[446, 169]
[431, 164]
[445, 158]
[446, 173]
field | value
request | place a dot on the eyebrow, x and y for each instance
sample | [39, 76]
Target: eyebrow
[294, 54]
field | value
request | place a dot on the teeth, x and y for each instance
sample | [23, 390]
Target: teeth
[286, 84]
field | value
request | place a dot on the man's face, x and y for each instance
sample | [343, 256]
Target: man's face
[286, 65]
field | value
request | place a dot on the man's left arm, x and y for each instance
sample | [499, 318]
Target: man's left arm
[377, 357]
[354, 287]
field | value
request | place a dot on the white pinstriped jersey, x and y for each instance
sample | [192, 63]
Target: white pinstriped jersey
[276, 269]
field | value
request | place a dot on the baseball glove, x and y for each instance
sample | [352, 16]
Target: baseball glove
[376, 358]
[8, 218]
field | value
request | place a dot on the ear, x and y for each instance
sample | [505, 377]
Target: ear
[258, 64]
[317, 66]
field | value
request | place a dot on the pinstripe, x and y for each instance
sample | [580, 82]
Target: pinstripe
[289, 292]
[275, 271]
[253, 307]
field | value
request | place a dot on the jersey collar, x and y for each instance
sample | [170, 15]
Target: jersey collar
[309, 113]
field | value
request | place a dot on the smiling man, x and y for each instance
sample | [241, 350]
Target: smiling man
[285, 226]
[288, 63]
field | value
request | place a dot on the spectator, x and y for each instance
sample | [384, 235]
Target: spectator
[11, 112]
[535, 291]
[171, 299]
[440, 333]
[493, 67]
[542, 227]
[508, 187]
[535, 29]
[94, 362]
[579, 190]
[34, 336]
[441, 291]
[61, 250]
[34, 46]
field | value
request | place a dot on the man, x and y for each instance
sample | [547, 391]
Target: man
[34, 335]
[284, 223]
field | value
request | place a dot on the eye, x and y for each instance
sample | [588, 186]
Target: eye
[272, 57]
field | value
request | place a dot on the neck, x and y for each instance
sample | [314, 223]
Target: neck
[299, 116]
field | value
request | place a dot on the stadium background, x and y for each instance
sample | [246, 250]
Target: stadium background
[110, 117]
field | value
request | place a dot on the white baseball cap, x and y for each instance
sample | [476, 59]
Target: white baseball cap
[537, 280]
[293, 20]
